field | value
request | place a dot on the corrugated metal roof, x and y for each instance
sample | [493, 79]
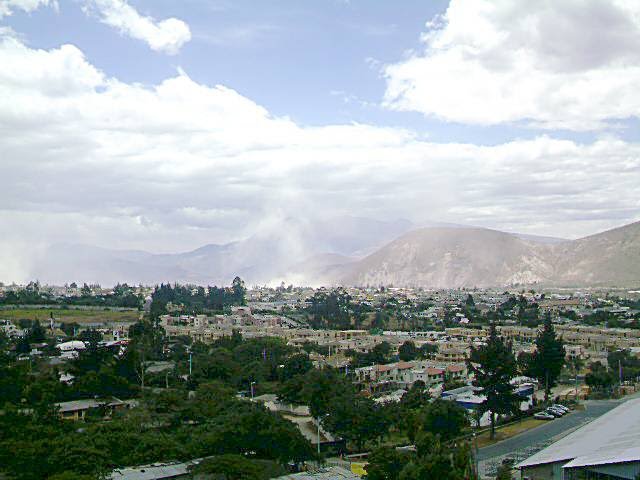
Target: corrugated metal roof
[329, 473]
[613, 437]
[628, 455]
[151, 472]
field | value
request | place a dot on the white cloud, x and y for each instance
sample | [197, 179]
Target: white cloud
[88, 158]
[7, 7]
[573, 64]
[166, 36]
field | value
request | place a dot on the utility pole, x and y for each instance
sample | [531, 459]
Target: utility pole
[318, 436]
[475, 455]
[252, 384]
[190, 363]
[620, 370]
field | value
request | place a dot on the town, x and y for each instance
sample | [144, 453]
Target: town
[356, 376]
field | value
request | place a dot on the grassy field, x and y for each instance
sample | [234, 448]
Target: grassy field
[70, 315]
[508, 431]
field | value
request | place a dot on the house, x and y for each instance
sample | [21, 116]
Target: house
[78, 409]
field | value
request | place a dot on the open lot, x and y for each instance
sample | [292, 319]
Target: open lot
[84, 315]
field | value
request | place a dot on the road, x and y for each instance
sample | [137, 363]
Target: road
[527, 443]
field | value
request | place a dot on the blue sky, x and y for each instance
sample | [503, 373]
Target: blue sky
[165, 125]
[318, 62]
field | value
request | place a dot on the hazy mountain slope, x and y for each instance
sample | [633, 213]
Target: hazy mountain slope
[324, 253]
[297, 250]
[453, 257]
[608, 258]
[467, 257]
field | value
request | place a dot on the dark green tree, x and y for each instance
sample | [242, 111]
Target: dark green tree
[297, 364]
[493, 366]
[37, 333]
[408, 351]
[548, 358]
[235, 467]
[444, 418]
[385, 463]
[599, 378]
[239, 290]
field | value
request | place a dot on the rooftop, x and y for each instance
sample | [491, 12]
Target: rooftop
[612, 438]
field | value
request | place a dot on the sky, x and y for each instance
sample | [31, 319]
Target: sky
[164, 125]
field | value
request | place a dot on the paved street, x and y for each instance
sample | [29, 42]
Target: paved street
[528, 443]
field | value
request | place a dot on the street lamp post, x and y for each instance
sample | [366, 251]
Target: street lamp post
[318, 436]
[319, 418]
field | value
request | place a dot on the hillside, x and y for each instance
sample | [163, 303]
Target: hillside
[467, 257]
[453, 257]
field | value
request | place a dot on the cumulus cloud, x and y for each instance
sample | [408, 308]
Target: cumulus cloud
[7, 7]
[87, 158]
[572, 64]
[166, 36]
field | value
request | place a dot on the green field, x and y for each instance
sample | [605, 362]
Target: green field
[93, 315]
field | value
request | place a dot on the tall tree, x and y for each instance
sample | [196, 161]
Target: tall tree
[493, 365]
[444, 418]
[239, 290]
[548, 358]
[408, 351]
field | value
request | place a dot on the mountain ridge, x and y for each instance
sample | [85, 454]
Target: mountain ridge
[366, 252]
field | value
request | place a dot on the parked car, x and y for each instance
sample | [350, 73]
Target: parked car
[543, 416]
[561, 407]
[554, 412]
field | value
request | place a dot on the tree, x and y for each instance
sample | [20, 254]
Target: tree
[427, 349]
[408, 351]
[624, 364]
[548, 358]
[239, 290]
[416, 397]
[438, 460]
[444, 418]
[37, 333]
[469, 302]
[356, 419]
[23, 345]
[85, 291]
[493, 366]
[234, 467]
[380, 352]
[504, 472]
[297, 364]
[599, 378]
[385, 463]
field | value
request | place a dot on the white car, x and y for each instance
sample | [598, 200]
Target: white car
[543, 416]
[554, 412]
[561, 407]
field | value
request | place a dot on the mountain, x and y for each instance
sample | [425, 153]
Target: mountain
[468, 257]
[291, 250]
[453, 257]
[360, 251]
[610, 258]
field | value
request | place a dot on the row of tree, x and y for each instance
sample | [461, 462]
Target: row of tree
[122, 296]
[197, 299]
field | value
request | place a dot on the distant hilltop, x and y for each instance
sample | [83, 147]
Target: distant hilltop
[360, 252]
